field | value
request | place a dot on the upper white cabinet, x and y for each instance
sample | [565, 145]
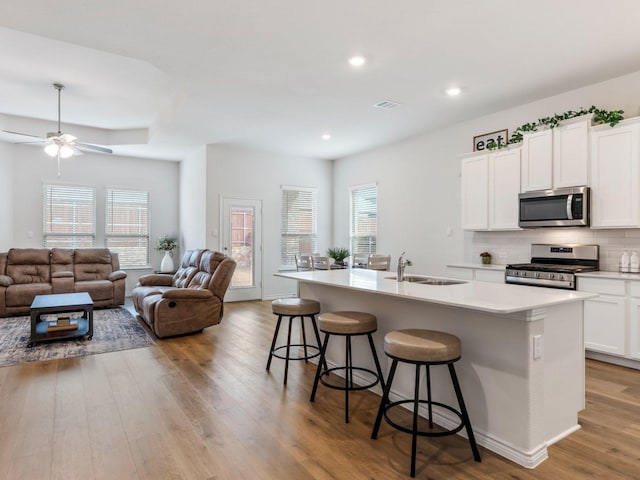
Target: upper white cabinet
[615, 176]
[557, 157]
[490, 186]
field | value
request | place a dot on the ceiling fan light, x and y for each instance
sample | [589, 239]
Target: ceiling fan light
[51, 149]
[66, 151]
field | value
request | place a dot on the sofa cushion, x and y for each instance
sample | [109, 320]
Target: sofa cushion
[28, 265]
[97, 289]
[61, 260]
[92, 264]
[23, 294]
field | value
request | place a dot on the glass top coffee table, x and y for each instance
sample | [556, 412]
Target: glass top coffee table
[59, 323]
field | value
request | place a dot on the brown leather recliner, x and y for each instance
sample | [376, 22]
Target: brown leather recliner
[189, 301]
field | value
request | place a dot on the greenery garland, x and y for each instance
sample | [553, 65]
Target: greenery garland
[599, 116]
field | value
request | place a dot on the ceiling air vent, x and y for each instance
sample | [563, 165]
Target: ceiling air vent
[387, 104]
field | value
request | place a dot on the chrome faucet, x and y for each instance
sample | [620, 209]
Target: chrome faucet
[402, 263]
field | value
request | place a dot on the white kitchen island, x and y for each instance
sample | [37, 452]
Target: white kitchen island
[519, 400]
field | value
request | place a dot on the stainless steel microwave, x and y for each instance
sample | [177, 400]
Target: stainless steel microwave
[563, 207]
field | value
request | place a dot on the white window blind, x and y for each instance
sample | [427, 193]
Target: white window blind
[298, 223]
[127, 226]
[69, 216]
[364, 218]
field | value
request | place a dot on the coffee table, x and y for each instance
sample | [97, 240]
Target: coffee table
[58, 303]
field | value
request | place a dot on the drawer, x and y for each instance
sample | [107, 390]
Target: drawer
[634, 288]
[601, 285]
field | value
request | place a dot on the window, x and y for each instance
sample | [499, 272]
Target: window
[69, 216]
[298, 223]
[364, 218]
[127, 226]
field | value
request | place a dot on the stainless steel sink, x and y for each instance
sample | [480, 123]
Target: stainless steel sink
[428, 280]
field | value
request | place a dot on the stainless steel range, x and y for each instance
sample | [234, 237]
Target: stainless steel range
[554, 266]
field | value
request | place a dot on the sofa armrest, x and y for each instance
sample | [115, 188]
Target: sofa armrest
[62, 275]
[5, 281]
[117, 275]
[187, 294]
[153, 280]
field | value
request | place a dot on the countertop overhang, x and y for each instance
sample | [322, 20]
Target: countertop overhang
[474, 295]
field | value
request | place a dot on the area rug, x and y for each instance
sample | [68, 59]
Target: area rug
[113, 329]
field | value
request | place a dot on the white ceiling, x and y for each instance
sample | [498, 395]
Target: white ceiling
[274, 75]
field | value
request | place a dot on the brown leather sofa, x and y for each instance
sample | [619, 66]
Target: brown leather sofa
[190, 300]
[27, 272]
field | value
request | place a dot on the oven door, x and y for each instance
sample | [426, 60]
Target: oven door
[566, 207]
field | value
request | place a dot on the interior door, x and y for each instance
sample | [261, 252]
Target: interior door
[242, 241]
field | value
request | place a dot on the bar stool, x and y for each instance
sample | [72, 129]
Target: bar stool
[424, 347]
[292, 308]
[346, 324]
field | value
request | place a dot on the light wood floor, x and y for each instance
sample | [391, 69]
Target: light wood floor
[203, 407]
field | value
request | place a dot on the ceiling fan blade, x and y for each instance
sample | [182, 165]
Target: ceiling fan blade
[92, 148]
[15, 137]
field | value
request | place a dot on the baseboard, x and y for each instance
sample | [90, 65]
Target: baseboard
[276, 296]
[620, 361]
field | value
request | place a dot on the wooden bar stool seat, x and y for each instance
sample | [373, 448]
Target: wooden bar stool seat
[424, 348]
[292, 308]
[347, 324]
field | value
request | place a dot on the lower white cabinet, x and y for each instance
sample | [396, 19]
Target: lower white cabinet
[634, 328]
[494, 274]
[605, 324]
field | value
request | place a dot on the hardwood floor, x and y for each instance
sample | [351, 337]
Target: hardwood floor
[203, 407]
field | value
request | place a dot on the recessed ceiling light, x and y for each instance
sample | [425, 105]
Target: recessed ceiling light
[326, 136]
[357, 61]
[453, 91]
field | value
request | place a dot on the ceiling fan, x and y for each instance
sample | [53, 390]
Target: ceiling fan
[58, 144]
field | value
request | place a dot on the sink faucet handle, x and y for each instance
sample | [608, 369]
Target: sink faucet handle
[400, 258]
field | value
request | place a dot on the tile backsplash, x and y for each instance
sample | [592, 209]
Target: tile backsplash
[515, 247]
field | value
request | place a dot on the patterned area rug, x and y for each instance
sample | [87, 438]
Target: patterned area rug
[113, 329]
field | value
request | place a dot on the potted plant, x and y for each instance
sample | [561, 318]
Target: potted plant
[338, 254]
[486, 258]
[166, 244]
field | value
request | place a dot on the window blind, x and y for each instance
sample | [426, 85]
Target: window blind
[69, 216]
[298, 223]
[127, 226]
[364, 218]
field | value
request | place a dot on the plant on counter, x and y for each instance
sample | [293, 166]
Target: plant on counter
[166, 243]
[338, 254]
[599, 116]
[486, 258]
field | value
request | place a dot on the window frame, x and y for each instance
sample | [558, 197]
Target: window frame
[145, 237]
[354, 241]
[48, 233]
[287, 257]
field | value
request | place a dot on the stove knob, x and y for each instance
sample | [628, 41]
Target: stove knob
[560, 277]
[552, 276]
[537, 274]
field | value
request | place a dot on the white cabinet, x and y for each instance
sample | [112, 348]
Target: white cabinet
[537, 151]
[489, 273]
[634, 328]
[605, 324]
[474, 188]
[490, 185]
[557, 157]
[615, 176]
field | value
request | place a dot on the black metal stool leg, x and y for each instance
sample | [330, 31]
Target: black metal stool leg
[376, 361]
[273, 342]
[414, 434]
[465, 415]
[323, 351]
[315, 330]
[286, 360]
[304, 339]
[429, 396]
[348, 378]
[385, 399]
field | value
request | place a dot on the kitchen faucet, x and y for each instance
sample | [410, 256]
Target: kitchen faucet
[402, 263]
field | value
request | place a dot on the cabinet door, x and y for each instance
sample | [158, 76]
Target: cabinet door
[634, 328]
[537, 158]
[504, 186]
[605, 324]
[474, 187]
[571, 154]
[614, 177]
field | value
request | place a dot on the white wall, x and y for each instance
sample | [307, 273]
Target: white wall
[32, 168]
[419, 185]
[6, 196]
[251, 174]
[193, 205]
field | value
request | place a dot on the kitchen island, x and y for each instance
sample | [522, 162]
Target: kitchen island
[522, 366]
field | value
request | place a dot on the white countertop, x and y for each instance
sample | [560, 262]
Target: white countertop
[612, 275]
[484, 296]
